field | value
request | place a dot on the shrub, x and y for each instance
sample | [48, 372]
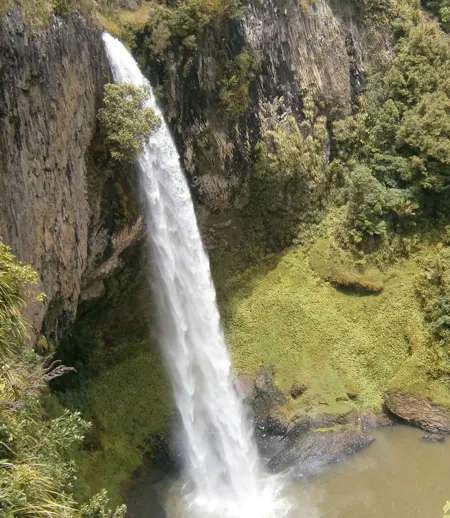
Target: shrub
[14, 277]
[126, 120]
[367, 206]
[98, 508]
[188, 21]
[233, 92]
[401, 134]
[289, 174]
[36, 467]
[441, 9]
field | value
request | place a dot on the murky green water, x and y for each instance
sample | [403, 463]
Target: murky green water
[398, 476]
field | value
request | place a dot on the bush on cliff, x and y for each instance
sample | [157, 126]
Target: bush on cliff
[401, 135]
[290, 172]
[126, 120]
[234, 86]
[187, 22]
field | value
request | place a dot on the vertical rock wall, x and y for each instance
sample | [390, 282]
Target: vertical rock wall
[52, 210]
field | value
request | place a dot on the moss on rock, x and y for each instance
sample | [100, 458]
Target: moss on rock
[282, 314]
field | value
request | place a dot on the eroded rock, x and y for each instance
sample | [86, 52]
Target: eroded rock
[419, 412]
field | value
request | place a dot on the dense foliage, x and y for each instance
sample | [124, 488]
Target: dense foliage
[36, 469]
[396, 149]
[126, 120]
[290, 170]
[187, 22]
[441, 9]
[233, 92]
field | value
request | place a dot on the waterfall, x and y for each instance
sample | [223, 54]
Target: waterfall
[222, 465]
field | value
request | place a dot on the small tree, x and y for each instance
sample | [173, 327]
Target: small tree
[126, 120]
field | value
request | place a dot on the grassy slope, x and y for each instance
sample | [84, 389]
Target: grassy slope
[282, 314]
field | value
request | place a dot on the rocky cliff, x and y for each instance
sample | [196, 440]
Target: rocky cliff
[59, 196]
[319, 48]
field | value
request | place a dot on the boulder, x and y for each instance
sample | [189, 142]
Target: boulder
[312, 451]
[419, 411]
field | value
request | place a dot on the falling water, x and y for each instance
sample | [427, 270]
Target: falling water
[222, 467]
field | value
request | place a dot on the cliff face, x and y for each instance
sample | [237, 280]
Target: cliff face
[293, 48]
[56, 210]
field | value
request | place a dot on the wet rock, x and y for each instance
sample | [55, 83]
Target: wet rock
[372, 421]
[419, 412]
[245, 386]
[267, 396]
[310, 452]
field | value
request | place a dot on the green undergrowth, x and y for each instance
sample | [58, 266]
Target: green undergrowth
[127, 402]
[120, 386]
[37, 451]
[346, 346]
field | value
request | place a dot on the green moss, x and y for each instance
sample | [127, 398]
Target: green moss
[338, 268]
[282, 314]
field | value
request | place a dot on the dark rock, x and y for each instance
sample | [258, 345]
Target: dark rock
[310, 452]
[267, 396]
[297, 390]
[325, 45]
[58, 211]
[352, 395]
[419, 412]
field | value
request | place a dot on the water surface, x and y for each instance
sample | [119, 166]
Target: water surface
[398, 476]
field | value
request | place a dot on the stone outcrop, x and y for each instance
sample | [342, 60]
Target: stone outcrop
[419, 412]
[304, 443]
[58, 195]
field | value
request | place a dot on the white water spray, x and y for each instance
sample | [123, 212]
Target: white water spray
[222, 465]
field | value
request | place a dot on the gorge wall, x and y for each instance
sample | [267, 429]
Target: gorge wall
[223, 86]
[58, 190]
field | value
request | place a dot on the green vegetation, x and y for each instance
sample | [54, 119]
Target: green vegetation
[395, 150]
[121, 385]
[441, 9]
[280, 314]
[186, 23]
[126, 120]
[121, 23]
[233, 92]
[37, 471]
[38, 12]
[290, 172]
[446, 510]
